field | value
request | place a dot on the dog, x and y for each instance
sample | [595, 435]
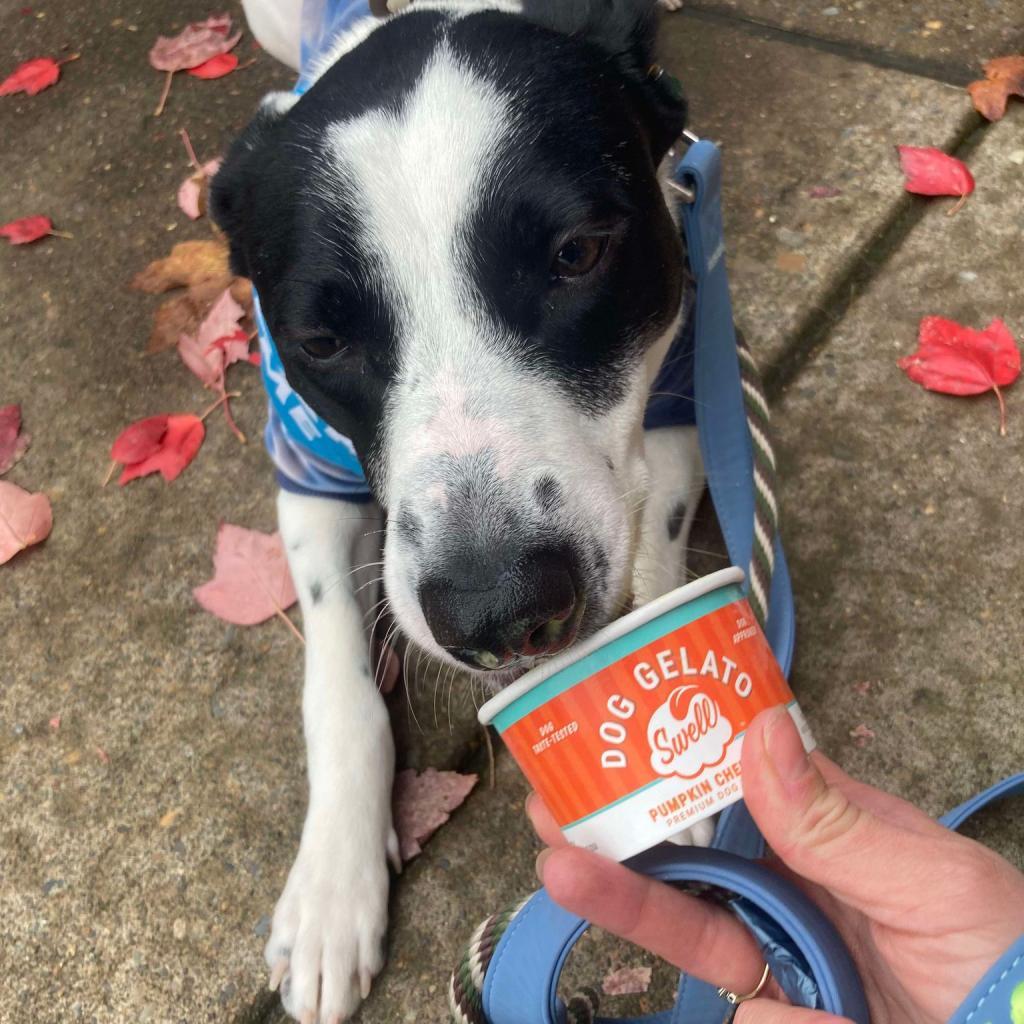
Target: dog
[467, 256]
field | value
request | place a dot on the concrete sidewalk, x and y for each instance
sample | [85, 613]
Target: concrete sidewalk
[144, 842]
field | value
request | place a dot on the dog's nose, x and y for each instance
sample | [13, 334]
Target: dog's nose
[486, 615]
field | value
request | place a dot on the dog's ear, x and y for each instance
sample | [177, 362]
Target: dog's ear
[231, 186]
[627, 30]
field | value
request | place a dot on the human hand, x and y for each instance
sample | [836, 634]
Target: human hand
[924, 911]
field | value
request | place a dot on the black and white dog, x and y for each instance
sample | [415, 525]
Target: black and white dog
[466, 254]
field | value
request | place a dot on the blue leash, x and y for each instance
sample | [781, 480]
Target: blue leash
[807, 956]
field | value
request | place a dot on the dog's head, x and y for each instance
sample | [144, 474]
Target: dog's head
[465, 257]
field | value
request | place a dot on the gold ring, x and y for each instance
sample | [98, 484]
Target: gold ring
[734, 1000]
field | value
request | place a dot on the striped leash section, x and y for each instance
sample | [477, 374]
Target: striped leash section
[466, 988]
[766, 507]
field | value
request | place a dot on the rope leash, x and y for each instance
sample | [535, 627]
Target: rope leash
[465, 990]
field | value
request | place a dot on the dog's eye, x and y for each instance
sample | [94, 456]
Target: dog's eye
[321, 348]
[579, 256]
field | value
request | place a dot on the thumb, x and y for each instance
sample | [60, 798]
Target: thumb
[816, 827]
[767, 1011]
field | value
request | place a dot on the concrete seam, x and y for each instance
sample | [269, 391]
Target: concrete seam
[947, 72]
[853, 280]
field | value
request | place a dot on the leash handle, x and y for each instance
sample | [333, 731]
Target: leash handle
[521, 982]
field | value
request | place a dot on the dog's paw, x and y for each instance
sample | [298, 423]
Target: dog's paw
[671, 5]
[700, 834]
[327, 941]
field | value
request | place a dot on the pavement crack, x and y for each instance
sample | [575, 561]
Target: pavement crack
[814, 331]
[947, 72]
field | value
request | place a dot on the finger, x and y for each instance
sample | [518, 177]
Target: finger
[695, 936]
[818, 827]
[543, 821]
[767, 1011]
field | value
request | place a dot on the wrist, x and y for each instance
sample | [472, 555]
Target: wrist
[998, 998]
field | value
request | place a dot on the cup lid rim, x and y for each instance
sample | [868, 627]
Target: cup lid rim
[613, 631]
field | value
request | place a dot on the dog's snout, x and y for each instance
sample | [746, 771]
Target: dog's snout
[530, 606]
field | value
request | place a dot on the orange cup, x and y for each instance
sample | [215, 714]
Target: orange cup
[635, 734]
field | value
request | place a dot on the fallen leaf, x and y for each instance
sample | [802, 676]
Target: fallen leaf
[14, 441]
[863, 689]
[791, 262]
[251, 581]
[34, 76]
[102, 755]
[930, 172]
[25, 519]
[189, 264]
[178, 447]
[216, 67]
[958, 360]
[139, 440]
[192, 191]
[27, 229]
[203, 354]
[234, 347]
[1004, 77]
[824, 192]
[194, 45]
[862, 735]
[202, 268]
[168, 819]
[627, 981]
[423, 803]
[55, 723]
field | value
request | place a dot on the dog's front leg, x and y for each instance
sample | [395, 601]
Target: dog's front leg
[327, 940]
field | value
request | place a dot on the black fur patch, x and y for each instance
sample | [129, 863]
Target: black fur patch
[676, 518]
[591, 127]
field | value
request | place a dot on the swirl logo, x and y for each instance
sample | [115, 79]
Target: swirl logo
[688, 733]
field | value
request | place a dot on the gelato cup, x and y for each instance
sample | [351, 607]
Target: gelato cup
[635, 734]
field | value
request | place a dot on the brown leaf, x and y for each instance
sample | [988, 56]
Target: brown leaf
[1004, 77]
[423, 803]
[189, 263]
[791, 262]
[173, 318]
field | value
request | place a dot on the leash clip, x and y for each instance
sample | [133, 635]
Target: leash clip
[686, 139]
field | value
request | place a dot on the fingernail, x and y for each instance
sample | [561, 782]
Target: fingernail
[786, 750]
[541, 858]
[527, 802]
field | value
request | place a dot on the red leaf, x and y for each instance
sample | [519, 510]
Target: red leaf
[139, 440]
[627, 981]
[1004, 77]
[27, 229]
[958, 360]
[199, 353]
[216, 67]
[178, 447]
[13, 443]
[251, 582]
[234, 347]
[194, 45]
[25, 519]
[423, 803]
[191, 189]
[31, 77]
[930, 172]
